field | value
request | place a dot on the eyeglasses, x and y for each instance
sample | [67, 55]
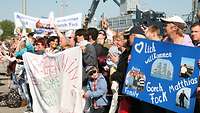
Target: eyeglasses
[92, 72]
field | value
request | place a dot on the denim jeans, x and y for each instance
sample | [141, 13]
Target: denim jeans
[24, 90]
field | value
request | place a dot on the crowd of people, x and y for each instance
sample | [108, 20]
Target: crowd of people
[105, 56]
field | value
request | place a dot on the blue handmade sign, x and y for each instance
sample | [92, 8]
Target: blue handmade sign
[163, 74]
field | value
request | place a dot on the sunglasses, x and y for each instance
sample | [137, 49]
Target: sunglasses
[92, 72]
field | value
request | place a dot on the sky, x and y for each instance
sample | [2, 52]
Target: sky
[41, 8]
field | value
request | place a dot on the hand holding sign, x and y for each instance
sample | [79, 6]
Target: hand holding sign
[164, 83]
[114, 58]
[198, 93]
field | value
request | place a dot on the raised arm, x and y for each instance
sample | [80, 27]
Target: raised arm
[63, 41]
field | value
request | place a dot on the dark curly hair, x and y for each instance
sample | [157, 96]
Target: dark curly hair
[52, 38]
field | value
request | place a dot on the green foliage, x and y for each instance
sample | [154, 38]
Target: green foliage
[8, 29]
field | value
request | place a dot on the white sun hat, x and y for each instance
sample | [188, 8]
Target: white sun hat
[176, 19]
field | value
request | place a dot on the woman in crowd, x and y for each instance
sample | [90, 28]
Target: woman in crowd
[174, 29]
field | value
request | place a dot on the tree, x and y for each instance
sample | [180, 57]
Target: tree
[8, 29]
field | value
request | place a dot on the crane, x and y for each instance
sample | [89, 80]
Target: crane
[92, 10]
[195, 10]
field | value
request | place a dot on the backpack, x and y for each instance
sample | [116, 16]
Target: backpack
[13, 99]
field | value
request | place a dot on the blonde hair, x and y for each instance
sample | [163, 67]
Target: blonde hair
[179, 28]
[22, 45]
[118, 35]
[154, 29]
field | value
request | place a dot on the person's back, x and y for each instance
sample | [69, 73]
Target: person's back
[89, 57]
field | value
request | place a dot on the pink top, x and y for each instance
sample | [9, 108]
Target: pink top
[186, 42]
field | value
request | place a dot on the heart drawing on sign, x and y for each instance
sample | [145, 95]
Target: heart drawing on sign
[139, 47]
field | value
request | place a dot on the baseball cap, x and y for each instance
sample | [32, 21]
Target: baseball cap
[134, 30]
[103, 32]
[89, 69]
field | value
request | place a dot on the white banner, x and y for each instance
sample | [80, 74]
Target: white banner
[55, 81]
[63, 23]
[69, 22]
[24, 21]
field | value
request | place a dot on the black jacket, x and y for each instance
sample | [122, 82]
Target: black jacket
[120, 74]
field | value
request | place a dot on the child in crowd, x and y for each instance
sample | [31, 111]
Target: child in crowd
[113, 51]
[95, 94]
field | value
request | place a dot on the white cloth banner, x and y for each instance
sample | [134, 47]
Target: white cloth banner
[55, 81]
[63, 23]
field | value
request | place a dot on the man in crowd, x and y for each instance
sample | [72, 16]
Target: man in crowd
[195, 35]
[88, 52]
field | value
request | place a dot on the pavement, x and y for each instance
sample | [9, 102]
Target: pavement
[4, 84]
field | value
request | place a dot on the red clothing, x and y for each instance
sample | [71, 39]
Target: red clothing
[124, 105]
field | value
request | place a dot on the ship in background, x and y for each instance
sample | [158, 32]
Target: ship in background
[131, 15]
